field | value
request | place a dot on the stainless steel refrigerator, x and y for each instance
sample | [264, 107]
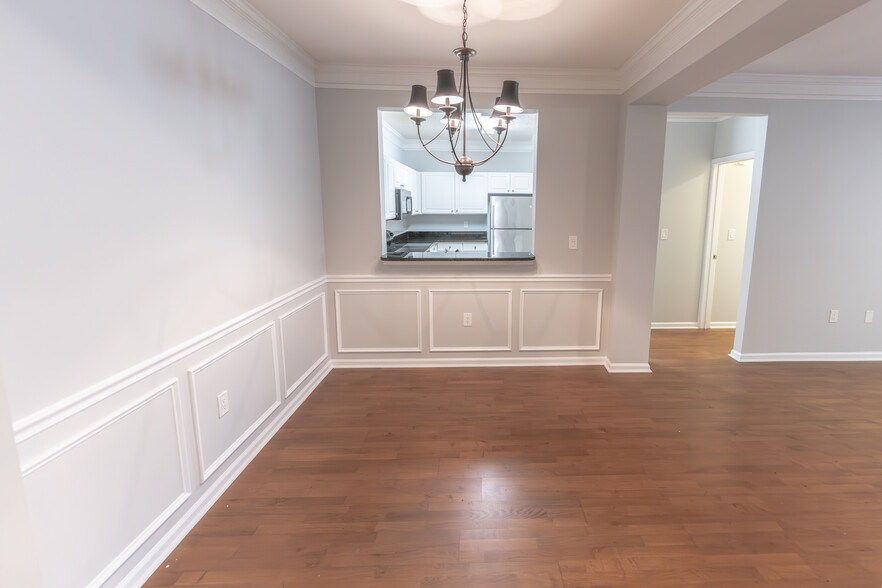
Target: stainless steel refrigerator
[510, 229]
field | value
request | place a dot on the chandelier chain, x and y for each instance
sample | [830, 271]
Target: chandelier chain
[465, 20]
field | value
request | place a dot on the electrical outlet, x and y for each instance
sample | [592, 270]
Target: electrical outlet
[574, 242]
[834, 316]
[465, 224]
[868, 317]
[467, 319]
[223, 404]
[664, 234]
[731, 235]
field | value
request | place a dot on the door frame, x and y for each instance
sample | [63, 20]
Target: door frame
[712, 234]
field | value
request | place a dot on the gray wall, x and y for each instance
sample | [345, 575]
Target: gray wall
[160, 180]
[160, 200]
[817, 237]
[688, 150]
[575, 177]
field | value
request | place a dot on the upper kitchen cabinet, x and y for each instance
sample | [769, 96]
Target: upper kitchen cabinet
[437, 193]
[446, 193]
[510, 183]
[470, 197]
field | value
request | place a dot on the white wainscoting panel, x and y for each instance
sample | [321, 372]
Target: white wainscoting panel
[108, 489]
[247, 371]
[491, 320]
[560, 319]
[303, 333]
[378, 321]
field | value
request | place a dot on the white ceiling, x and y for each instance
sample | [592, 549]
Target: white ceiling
[584, 34]
[851, 45]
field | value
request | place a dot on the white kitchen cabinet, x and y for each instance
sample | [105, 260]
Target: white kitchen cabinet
[510, 183]
[437, 193]
[522, 183]
[470, 197]
[389, 189]
[475, 246]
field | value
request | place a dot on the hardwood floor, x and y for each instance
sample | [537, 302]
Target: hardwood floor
[704, 473]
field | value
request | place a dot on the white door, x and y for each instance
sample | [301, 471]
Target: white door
[437, 192]
[725, 240]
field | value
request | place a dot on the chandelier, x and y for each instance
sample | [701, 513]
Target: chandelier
[457, 106]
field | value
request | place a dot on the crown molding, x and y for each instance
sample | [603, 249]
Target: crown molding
[534, 80]
[247, 22]
[795, 87]
[678, 117]
[686, 25]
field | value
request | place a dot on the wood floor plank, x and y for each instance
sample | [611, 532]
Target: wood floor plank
[704, 473]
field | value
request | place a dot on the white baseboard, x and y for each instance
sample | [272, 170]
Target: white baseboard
[163, 548]
[819, 357]
[430, 362]
[723, 325]
[692, 325]
[626, 368]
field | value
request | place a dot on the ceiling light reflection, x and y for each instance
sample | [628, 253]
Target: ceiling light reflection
[449, 12]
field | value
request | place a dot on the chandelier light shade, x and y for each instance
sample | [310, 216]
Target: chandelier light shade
[457, 105]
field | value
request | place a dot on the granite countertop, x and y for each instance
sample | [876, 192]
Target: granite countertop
[412, 246]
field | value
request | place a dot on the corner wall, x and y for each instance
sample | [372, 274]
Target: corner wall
[161, 243]
[817, 237]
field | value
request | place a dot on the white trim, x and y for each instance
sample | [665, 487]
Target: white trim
[684, 27]
[205, 472]
[432, 346]
[247, 22]
[42, 420]
[536, 80]
[723, 325]
[148, 564]
[686, 117]
[794, 87]
[361, 279]
[806, 356]
[337, 318]
[596, 347]
[685, 325]
[437, 361]
[626, 368]
[320, 298]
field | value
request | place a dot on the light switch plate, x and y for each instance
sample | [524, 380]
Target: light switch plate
[574, 242]
[868, 317]
[731, 235]
[664, 234]
[223, 404]
[834, 316]
[467, 319]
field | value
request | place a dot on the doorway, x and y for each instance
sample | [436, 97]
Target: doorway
[723, 260]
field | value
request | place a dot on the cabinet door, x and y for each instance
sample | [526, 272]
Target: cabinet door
[437, 193]
[498, 183]
[389, 189]
[471, 195]
[522, 183]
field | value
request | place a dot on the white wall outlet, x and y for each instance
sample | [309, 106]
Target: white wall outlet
[731, 235]
[467, 319]
[664, 234]
[223, 404]
[465, 224]
[868, 317]
[834, 316]
[574, 242]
